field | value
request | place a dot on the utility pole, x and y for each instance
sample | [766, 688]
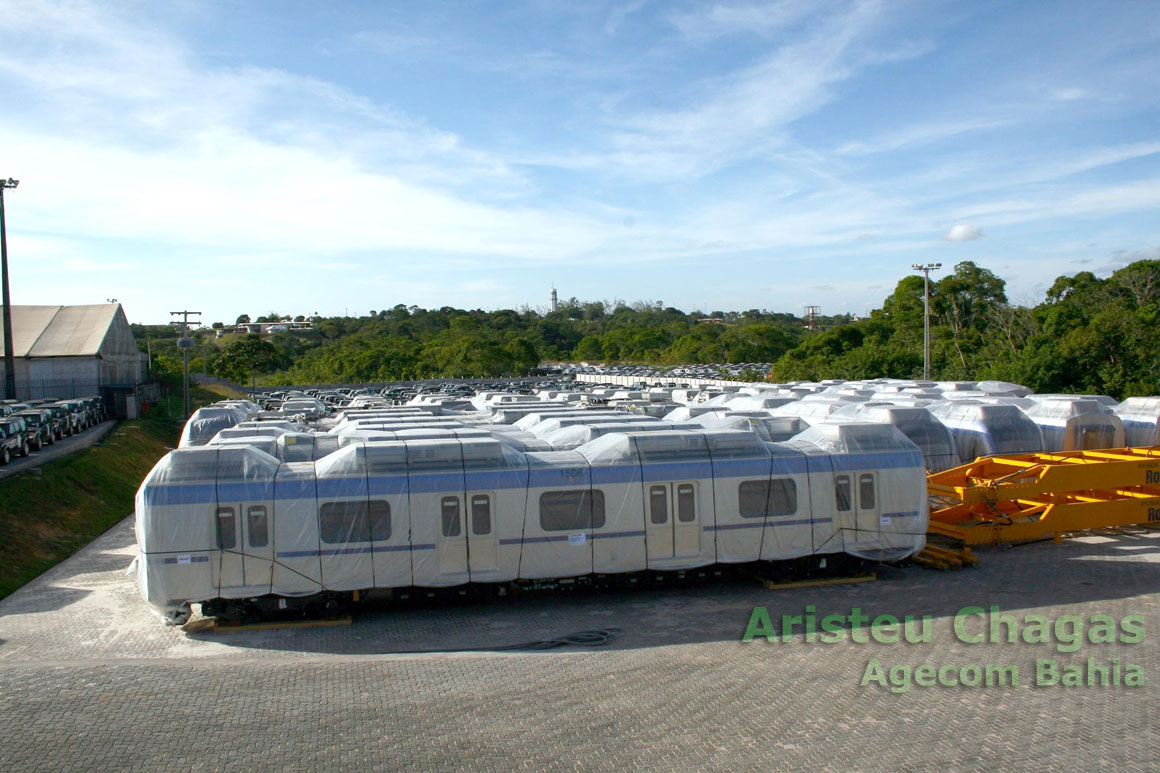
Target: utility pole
[185, 343]
[9, 355]
[926, 313]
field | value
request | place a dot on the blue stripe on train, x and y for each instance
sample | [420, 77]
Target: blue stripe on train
[573, 477]
[771, 522]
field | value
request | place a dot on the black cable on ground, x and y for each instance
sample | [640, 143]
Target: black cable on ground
[598, 638]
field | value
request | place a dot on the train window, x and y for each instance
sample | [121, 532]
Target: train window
[752, 498]
[481, 514]
[343, 522]
[866, 492]
[450, 508]
[379, 518]
[686, 503]
[227, 528]
[257, 526]
[842, 492]
[783, 497]
[658, 504]
[571, 510]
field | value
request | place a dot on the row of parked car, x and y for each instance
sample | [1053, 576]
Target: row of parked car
[33, 424]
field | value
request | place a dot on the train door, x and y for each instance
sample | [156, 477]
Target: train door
[673, 527]
[687, 521]
[659, 524]
[438, 512]
[482, 549]
[451, 539]
[231, 571]
[847, 520]
[867, 505]
[258, 550]
[245, 504]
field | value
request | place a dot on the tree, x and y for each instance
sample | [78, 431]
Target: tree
[243, 319]
[217, 326]
[242, 359]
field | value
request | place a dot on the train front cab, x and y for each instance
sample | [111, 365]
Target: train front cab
[175, 529]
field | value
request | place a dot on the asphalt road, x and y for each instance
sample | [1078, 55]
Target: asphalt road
[62, 447]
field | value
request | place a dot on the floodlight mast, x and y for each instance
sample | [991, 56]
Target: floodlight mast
[185, 343]
[9, 354]
[926, 313]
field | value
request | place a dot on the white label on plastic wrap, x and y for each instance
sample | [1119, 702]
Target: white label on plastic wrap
[185, 559]
[884, 520]
[577, 539]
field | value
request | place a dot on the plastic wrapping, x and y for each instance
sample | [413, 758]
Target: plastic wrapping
[530, 420]
[200, 516]
[1076, 424]
[1141, 419]
[265, 443]
[932, 437]
[206, 422]
[568, 438]
[305, 446]
[393, 424]
[981, 429]
[873, 481]
[231, 523]
[1003, 388]
[250, 429]
[551, 425]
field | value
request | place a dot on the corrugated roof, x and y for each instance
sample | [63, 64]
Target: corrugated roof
[60, 331]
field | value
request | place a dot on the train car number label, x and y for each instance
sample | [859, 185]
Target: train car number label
[577, 539]
[184, 560]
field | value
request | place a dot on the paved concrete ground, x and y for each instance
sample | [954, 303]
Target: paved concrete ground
[62, 447]
[90, 680]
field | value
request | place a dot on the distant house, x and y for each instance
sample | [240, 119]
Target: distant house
[72, 350]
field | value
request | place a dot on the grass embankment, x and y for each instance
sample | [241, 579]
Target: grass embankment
[48, 514]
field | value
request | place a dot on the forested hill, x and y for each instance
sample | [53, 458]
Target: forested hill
[1089, 334]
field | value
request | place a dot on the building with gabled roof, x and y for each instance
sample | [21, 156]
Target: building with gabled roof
[72, 350]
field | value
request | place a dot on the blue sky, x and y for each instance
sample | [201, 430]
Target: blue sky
[298, 157]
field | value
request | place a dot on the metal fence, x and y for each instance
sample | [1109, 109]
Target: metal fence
[62, 388]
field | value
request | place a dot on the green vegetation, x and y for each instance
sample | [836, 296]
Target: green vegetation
[1088, 335]
[47, 516]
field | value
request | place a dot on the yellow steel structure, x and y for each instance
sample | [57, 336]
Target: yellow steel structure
[1004, 499]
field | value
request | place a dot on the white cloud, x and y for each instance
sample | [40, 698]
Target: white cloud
[1069, 95]
[962, 233]
[747, 113]
[916, 134]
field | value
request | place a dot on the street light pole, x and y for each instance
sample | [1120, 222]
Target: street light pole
[185, 343]
[926, 314]
[9, 354]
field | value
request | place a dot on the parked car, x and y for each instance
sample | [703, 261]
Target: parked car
[78, 421]
[40, 429]
[61, 419]
[14, 441]
[96, 409]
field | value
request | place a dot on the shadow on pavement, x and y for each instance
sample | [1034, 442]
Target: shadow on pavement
[1021, 579]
